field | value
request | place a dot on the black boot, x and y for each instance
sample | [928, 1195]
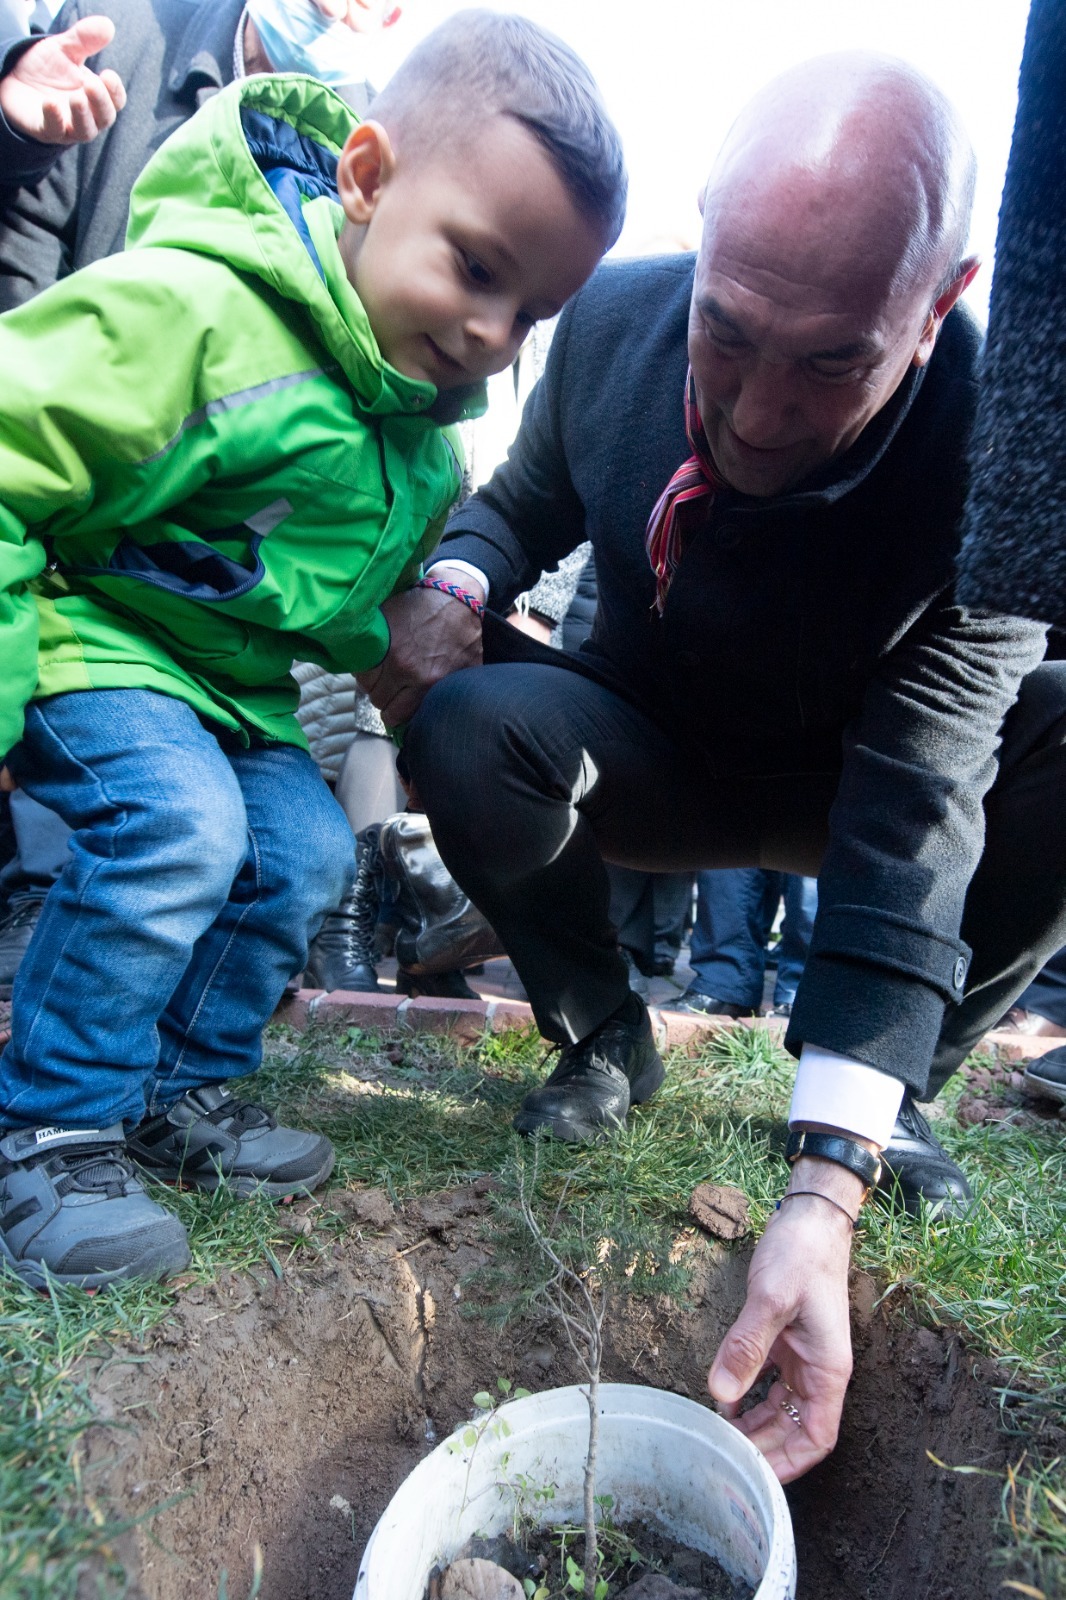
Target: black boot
[439, 985]
[916, 1167]
[16, 930]
[596, 1081]
[342, 952]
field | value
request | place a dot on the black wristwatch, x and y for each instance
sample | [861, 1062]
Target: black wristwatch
[836, 1147]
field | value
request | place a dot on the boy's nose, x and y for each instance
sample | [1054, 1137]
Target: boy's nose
[493, 328]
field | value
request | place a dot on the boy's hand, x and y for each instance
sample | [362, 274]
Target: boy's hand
[7, 782]
[51, 95]
[432, 635]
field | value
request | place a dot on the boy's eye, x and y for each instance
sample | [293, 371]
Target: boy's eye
[475, 269]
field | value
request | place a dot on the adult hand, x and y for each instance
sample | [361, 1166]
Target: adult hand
[795, 1318]
[51, 95]
[432, 635]
[7, 782]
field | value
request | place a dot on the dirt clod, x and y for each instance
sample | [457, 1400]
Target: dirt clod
[479, 1580]
[369, 1208]
[653, 1586]
[720, 1211]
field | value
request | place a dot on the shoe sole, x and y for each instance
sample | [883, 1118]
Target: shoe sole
[244, 1186]
[152, 1266]
[1045, 1086]
[571, 1132]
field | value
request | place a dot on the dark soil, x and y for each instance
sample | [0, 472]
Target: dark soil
[283, 1414]
[635, 1549]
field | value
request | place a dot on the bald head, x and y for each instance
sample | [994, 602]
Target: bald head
[834, 223]
[861, 161]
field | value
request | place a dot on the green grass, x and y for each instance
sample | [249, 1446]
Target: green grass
[416, 1114]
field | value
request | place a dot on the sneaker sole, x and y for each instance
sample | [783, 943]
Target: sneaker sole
[571, 1132]
[1045, 1086]
[244, 1186]
[152, 1266]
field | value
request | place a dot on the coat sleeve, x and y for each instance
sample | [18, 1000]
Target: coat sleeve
[906, 834]
[76, 444]
[529, 515]
[38, 202]
[22, 160]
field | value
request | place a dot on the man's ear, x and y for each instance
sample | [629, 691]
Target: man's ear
[364, 166]
[942, 305]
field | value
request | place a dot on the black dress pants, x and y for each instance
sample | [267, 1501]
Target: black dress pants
[534, 776]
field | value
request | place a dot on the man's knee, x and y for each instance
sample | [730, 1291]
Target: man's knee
[455, 735]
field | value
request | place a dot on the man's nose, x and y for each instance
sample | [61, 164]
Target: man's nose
[763, 405]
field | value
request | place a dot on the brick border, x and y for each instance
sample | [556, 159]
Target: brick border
[469, 1020]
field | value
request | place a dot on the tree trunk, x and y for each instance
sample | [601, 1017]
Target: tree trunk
[592, 1395]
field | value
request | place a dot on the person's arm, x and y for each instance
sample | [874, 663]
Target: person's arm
[49, 98]
[525, 519]
[76, 434]
[906, 833]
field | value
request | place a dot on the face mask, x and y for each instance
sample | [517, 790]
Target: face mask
[298, 38]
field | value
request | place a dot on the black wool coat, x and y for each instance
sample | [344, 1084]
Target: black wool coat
[1014, 555]
[815, 631]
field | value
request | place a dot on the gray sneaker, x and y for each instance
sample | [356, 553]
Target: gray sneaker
[207, 1138]
[72, 1209]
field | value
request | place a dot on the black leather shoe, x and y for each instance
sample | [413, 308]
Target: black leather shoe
[707, 1005]
[595, 1083]
[1047, 1074]
[916, 1167]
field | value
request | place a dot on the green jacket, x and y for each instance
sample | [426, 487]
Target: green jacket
[207, 469]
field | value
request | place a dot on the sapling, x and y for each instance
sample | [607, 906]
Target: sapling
[579, 1304]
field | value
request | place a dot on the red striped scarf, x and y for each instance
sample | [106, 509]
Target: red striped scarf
[695, 480]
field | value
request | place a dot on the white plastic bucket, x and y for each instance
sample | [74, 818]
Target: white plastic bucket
[661, 1457]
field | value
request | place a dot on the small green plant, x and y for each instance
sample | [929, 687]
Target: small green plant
[487, 1421]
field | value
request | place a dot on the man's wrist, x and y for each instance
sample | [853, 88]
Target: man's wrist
[461, 573]
[813, 1180]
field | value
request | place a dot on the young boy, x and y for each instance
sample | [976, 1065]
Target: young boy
[219, 451]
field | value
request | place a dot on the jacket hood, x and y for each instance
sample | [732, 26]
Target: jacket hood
[233, 181]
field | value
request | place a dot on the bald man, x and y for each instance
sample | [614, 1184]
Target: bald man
[767, 448]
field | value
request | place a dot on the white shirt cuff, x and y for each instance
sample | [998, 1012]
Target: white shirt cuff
[461, 566]
[846, 1094]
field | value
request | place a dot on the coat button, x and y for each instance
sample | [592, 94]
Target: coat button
[959, 974]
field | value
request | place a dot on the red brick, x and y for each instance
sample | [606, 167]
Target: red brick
[295, 1009]
[376, 1012]
[508, 1016]
[688, 1032]
[462, 1019]
[1013, 1046]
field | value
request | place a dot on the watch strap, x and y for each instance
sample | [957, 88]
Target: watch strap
[835, 1147]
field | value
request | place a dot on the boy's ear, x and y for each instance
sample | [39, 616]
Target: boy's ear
[364, 166]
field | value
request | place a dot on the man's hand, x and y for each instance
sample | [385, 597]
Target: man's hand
[7, 782]
[795, 1319]
[432, 635]
[51, 95]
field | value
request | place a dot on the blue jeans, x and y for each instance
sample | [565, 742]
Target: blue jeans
[198, 872]
[735, 909]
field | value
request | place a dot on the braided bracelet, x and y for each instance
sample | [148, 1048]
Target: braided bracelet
[794, 1193]
[469, 600]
